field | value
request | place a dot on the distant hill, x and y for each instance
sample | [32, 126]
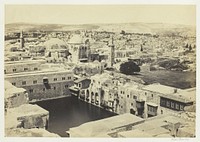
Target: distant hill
[16, 27]
[155, 28]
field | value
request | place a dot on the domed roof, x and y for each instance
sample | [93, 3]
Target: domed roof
[76, 39]
[55, 43]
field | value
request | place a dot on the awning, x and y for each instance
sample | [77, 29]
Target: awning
[152, 104]
[45, 77]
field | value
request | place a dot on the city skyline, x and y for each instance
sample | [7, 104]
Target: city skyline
[97, 14]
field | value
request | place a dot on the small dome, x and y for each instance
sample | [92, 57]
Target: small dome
[55, 43]
[76, 39]
[96, 61]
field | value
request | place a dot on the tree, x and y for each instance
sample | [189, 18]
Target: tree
[123, 32]
[129, 68]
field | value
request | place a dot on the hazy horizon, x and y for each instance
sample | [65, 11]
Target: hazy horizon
[100, 14]
[96, 23]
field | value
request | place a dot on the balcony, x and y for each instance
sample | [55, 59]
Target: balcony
[140, 104]
[45, 80]
[152, 113]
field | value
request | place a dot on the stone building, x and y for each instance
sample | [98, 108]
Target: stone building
[22, 66]
[161, 99]
[19, 115]
[130, 126]
[40, 82]
[79, 49]
[122, 95]
[108, 127]
[89, 69]
[14, 96]
[80, 87]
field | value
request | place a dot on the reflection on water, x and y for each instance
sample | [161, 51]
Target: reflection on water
[70, 112]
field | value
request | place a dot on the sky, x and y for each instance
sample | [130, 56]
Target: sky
[87, 14]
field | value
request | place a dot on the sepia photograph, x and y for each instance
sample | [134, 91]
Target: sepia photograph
[100, 71]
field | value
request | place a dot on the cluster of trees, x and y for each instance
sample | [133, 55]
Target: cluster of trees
[129, 68]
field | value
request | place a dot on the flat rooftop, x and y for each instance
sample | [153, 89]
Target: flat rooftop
[11, 90]
[185, 96]
[155, 126]
[24, 62]
[134, 134]
[103, 126]
[41, 72]
[22, 111]
[159, 88]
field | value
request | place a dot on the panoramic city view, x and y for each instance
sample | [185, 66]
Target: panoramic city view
[113, 71]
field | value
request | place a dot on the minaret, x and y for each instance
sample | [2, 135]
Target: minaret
[112, 53]
[88, 50]
[21, 40]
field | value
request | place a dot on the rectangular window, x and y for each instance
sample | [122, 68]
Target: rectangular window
[69, 77]
[154, 109]
[162, 102]
[152, 95]
[63, 78]
[172, 104]
[79, 85]
[54, 88]
[14, 83]
[55, 79]
[168, 103]
[135, 97]
[127, 96]
[23, 82]
[14, 70]
[35, 69]
[25, 69]
[34, 81]
[31, 90]
[177, 106]
[181, 107]
[66, 86]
